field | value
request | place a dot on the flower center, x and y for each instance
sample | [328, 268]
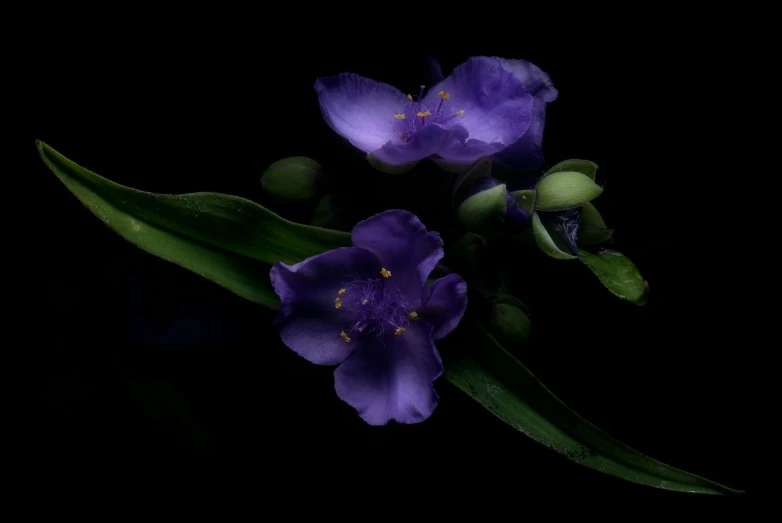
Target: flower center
[417, 113]
[379, 308]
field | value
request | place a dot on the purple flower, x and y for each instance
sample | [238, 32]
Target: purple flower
[479, 110]
[368, 309]
[525, 153]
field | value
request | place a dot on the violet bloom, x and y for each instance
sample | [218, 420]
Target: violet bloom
[526, 152]
[479, 110]
[367, 309]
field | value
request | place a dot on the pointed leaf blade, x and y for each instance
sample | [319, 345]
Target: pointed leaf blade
[228, 240]
[500, 383]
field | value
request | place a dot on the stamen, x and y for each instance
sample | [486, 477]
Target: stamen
[385, 273]
[365, 301]
[337, 303]
[423, 114]
[444, 97]
[413, 315]
[460, 112]
[409, 97]
[341, 292]
[399, 116]
[421, 94]
[344, 337]
[399, 331]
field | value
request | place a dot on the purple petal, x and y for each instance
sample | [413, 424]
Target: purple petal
[309, 322]
[360, 109]
[391, 377]
[532, 77]
[444, 304]
[434, 71]
[526, 153]
[497, 107]
[431, 139]
[404, 246]
[470, 150]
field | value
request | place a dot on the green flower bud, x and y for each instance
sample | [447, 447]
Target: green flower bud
[294, 180]
[465, 254]
[565, 190]
[468, 175]
[508, 322]
[329, 213]
[389, 168]
[483, 212]
[580, 166]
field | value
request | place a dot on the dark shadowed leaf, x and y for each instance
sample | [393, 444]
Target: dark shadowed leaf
[499, 382]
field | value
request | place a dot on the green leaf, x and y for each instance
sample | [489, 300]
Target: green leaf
[565, 190]
[548, 241]
[483, 212]
[580, 166]
[295, 180]
[226, 239]
[500, 383]
[618, 274]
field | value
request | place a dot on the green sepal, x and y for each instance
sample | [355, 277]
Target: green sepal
[593, 229]
[565, 190]
[549, 241]
[483, 212]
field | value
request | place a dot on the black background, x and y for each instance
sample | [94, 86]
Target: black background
[152, 375]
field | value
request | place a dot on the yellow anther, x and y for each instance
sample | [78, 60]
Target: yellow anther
[460, 112]
[399, 331]
[365, 301]
[443, 95]
[399, 116]
[341, 292]
[337, 303]
[385, 273]
[344, 337]
[413, 315]
[409, 97]
[425, 113]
